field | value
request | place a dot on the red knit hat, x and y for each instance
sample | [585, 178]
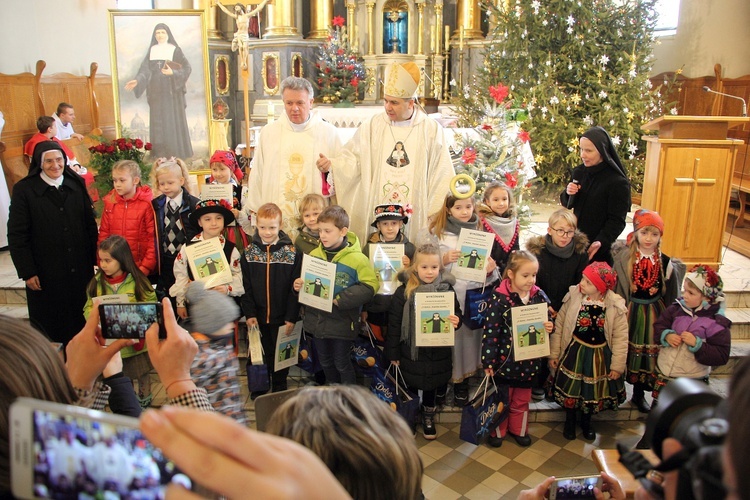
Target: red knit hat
[228, 159]
[601, 276]
[646, 218]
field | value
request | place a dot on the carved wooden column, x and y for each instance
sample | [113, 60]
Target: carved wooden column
[321, 13]
[281, 17]
[469, 16]
[370, 29]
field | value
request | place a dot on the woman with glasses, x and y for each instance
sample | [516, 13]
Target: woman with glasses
[599, 193]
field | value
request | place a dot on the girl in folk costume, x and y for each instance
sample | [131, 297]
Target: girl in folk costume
[445, 226]
[425, 368]
[119, 275]
[226, 170]
[589, 349]
[517, 289]
[647, 280]
[497, 213]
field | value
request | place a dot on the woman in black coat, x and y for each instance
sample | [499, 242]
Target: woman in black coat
[600, 197]
[52, 238]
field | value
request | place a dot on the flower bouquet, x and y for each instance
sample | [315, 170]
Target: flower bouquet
[107, 153]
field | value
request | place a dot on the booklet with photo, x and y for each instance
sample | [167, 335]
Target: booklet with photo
[287, 347]
[529, 338]
[318, 278]
[475, 248]
[208, 262]
[387, 260]
[431, 317]
[217, 192]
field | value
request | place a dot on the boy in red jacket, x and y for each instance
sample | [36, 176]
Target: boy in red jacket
[128, 212]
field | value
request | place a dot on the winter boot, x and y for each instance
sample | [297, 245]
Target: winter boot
[639, 399]
[587, 428]
[428, 422]
[569, 431]
[461, 393]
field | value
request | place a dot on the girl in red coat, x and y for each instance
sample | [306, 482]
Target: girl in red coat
[128, 212]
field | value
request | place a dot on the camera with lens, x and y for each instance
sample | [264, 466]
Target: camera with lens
[690, 412]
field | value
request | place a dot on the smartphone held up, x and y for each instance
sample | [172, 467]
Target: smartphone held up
[130, 320]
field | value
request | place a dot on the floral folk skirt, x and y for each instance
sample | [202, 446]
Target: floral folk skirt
[642, 352]
[582, 382]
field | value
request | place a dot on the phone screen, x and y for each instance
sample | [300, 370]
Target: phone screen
[76, 457]
[576, 487]
[130, 321]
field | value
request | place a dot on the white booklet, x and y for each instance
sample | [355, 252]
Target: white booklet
[318, 278]
[431, 316]
[117, 298]
[208, 262]
[475, 248]
[529, 338]
[386, 259]
[217, 192]
[287, 347]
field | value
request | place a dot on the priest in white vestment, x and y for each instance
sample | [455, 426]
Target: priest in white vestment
[399, 156]
[284, 166]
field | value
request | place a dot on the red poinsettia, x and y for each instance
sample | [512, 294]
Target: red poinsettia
[469, 157]
[499, 92]
[354, 82]
[338, 21]
[486, 127]
[524, 136]
[511, 179]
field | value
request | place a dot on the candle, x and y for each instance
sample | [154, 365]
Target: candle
[270, 108]
[355, 39]
[447, 38]
[461, 39]
[432, 38]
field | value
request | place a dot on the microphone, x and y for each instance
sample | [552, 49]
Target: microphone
[572, 197]
[744, 104]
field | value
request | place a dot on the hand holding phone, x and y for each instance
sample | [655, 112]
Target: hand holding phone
[88, 356]
[569, 488]
[130, 320]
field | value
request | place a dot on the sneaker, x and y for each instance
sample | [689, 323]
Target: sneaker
[461, 394]
[522, 440]
[428, 423]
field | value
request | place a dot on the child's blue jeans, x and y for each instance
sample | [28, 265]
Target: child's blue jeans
[335, 358]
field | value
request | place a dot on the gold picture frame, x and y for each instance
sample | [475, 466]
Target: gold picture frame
[270, 70]
[222, 74]
[141, 100]
[297, 69]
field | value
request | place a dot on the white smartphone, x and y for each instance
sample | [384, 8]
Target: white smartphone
[574, 487]
[62, 451]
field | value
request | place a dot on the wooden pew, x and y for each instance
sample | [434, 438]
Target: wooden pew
[24, 97]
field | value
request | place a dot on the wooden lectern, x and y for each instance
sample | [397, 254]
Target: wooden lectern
[688, 179]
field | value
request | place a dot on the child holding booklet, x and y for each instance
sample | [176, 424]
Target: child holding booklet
[269, 267]
[425, 368]
[212, 216]
[354, 286]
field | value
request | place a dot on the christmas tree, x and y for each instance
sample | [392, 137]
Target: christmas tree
[341, 73]
[571, 64]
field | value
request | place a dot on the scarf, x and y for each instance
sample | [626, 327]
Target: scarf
[453, 225]
[504, 229]
[563, 253]
[443, 283]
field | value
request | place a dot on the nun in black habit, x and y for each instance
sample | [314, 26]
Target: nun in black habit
[52, 238]
[601, 197]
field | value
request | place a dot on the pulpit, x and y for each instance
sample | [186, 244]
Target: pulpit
[688, 180]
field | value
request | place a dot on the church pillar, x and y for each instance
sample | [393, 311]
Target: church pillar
[438, 26]
[212, 17]
[420, 28]
[321, 14]
[370, 29]
[469, 17]
[350, 23]
[280, 15]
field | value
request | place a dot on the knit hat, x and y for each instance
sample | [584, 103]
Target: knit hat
[210, 311]
[601, 276]
[402, 80]
[204, 207]
[645, 218]
[707, 281]
[394, 211]
[228, 159]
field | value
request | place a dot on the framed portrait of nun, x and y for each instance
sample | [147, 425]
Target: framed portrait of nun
[161, 80]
